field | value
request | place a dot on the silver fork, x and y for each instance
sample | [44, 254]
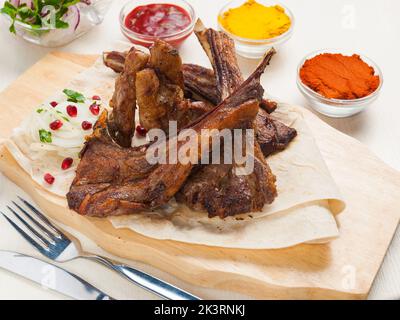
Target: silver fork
[54, 244]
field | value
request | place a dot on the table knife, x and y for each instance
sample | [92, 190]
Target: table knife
[50, 276]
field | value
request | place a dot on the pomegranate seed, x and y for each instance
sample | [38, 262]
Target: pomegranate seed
[141, 131]
[67, 163]
[49, 178]
[86, 125]
[53, 104]
[72, 111]
[96, 98]
[55, 125]
[94, 109]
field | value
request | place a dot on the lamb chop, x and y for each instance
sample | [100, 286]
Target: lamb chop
[122, 120]
[160, 91]
[199, 82]
[216, 188]
[121, 181]
[272, 135]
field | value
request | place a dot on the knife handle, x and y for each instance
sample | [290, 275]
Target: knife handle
[146, 281]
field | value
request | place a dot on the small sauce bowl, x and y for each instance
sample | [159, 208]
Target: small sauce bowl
[337, 108]
[144, 40]
[251, 48]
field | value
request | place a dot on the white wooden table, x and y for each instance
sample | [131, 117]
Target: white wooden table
[368, 26]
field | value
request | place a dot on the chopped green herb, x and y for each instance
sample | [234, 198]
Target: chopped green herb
[65, 118]
[39, 110]
[45, 136]
[74, 96]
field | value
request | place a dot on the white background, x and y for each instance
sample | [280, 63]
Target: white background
[370, 27]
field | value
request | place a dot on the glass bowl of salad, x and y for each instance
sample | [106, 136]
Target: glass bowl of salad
[53, 23]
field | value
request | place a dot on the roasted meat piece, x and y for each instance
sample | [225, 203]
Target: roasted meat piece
[157, 100]
[115, 60]
[220, 49]
[217, 188]
[123, 102]
[123, 183]
[160, 91]
[220, 191]
[167, 62]
[272, 135]
[199, 82]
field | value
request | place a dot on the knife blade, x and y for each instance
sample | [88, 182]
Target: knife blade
[50, 276]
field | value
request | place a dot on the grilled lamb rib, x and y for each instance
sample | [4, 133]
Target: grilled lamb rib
[216, 188]
[122, 120]
[199, 82]
[160, 91]
[121, 181]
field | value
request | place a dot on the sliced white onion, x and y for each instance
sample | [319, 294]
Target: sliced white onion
[29, 3]
[73, 18]
[67, 141]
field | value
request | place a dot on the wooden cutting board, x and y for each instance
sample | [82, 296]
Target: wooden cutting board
[343, 269]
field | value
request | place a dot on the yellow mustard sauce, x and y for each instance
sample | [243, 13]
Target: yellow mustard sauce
[253, 20]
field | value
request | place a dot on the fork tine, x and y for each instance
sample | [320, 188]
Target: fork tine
[26, 236]
[43, 218]
[39, 225]
[31, 229]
